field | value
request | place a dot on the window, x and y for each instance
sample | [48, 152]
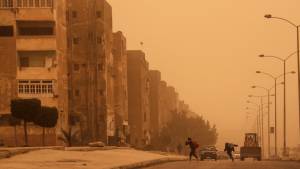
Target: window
[25, 3]
[19, 3]
[98, 14]
[31, 4]
[75, 40]
[40, 87]
[77, 93]
[43, 3]
[37, 3]
[6, 3]
[74, 14]
[24, 61]
[76, 67]
[67, 16]
[34, 58]
[6, 31]
[29, 31]
[35, 28]
[99, 40]
[101, 67]
[49, 3]
[30, 59]
[101, 92]
[145, 117]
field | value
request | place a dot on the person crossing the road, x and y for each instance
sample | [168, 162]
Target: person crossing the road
[193, 147]
[229, 148]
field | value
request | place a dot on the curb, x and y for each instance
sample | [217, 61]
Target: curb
[7, 152]
[10, 152]
[148, 163]
[93, 148]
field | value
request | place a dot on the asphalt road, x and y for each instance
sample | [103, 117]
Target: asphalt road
[222, 164]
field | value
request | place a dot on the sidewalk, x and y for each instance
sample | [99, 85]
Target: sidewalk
[99, 159]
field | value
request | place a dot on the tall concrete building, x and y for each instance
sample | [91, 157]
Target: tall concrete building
[138, 98]
[164, 104]
[172, 100]
[155, 104]
[60, 52]
[91, 68]
[32, 52]
[120, 85]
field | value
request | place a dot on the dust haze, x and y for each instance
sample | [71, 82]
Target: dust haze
[209, 51]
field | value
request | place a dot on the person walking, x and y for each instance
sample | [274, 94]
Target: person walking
[193, 147]
[229, 148]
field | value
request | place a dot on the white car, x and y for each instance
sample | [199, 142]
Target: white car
[236, 155]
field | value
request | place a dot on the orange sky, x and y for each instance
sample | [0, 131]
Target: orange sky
[208, 50]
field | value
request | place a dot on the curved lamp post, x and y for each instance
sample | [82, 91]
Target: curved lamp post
[275, 78]
[269, 16]
[268, 92]
[258, 128]
[261, 118]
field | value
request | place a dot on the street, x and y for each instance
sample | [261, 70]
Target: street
[248, 164]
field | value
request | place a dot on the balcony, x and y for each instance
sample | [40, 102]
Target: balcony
[30, 9]
[36, 43]
[36, 35]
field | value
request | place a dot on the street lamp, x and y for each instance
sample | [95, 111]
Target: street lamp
[251, 115]
[275, 86]
[269, 16]
[284, 76]
[261, 117]
[268, 91]
[258, 128]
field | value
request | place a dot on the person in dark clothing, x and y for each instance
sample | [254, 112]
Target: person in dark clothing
[229, 148]
[193, 147]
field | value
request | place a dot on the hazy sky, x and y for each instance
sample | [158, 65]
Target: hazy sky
[208, 50]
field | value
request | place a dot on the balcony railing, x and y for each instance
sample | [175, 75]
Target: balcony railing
[7, 4]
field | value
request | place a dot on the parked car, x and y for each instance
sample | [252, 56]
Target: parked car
[208, 152]
[236, 155]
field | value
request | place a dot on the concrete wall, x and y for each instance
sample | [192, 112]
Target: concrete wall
[8, 63]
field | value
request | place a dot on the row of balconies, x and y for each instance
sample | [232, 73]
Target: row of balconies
[6, 4]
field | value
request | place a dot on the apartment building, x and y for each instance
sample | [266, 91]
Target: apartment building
[120, 85]
[138, 98]
[155, 104]
[60, 52]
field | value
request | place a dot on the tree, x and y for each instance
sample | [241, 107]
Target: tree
[70, 135]
[67, 136]
[46, 119]
[26, 110]
[14, 122]
[180, 127]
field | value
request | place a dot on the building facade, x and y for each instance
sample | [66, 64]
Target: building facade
[59, 51]
[120, 85]
[138, 98]
[90, 68]
[155, 104]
